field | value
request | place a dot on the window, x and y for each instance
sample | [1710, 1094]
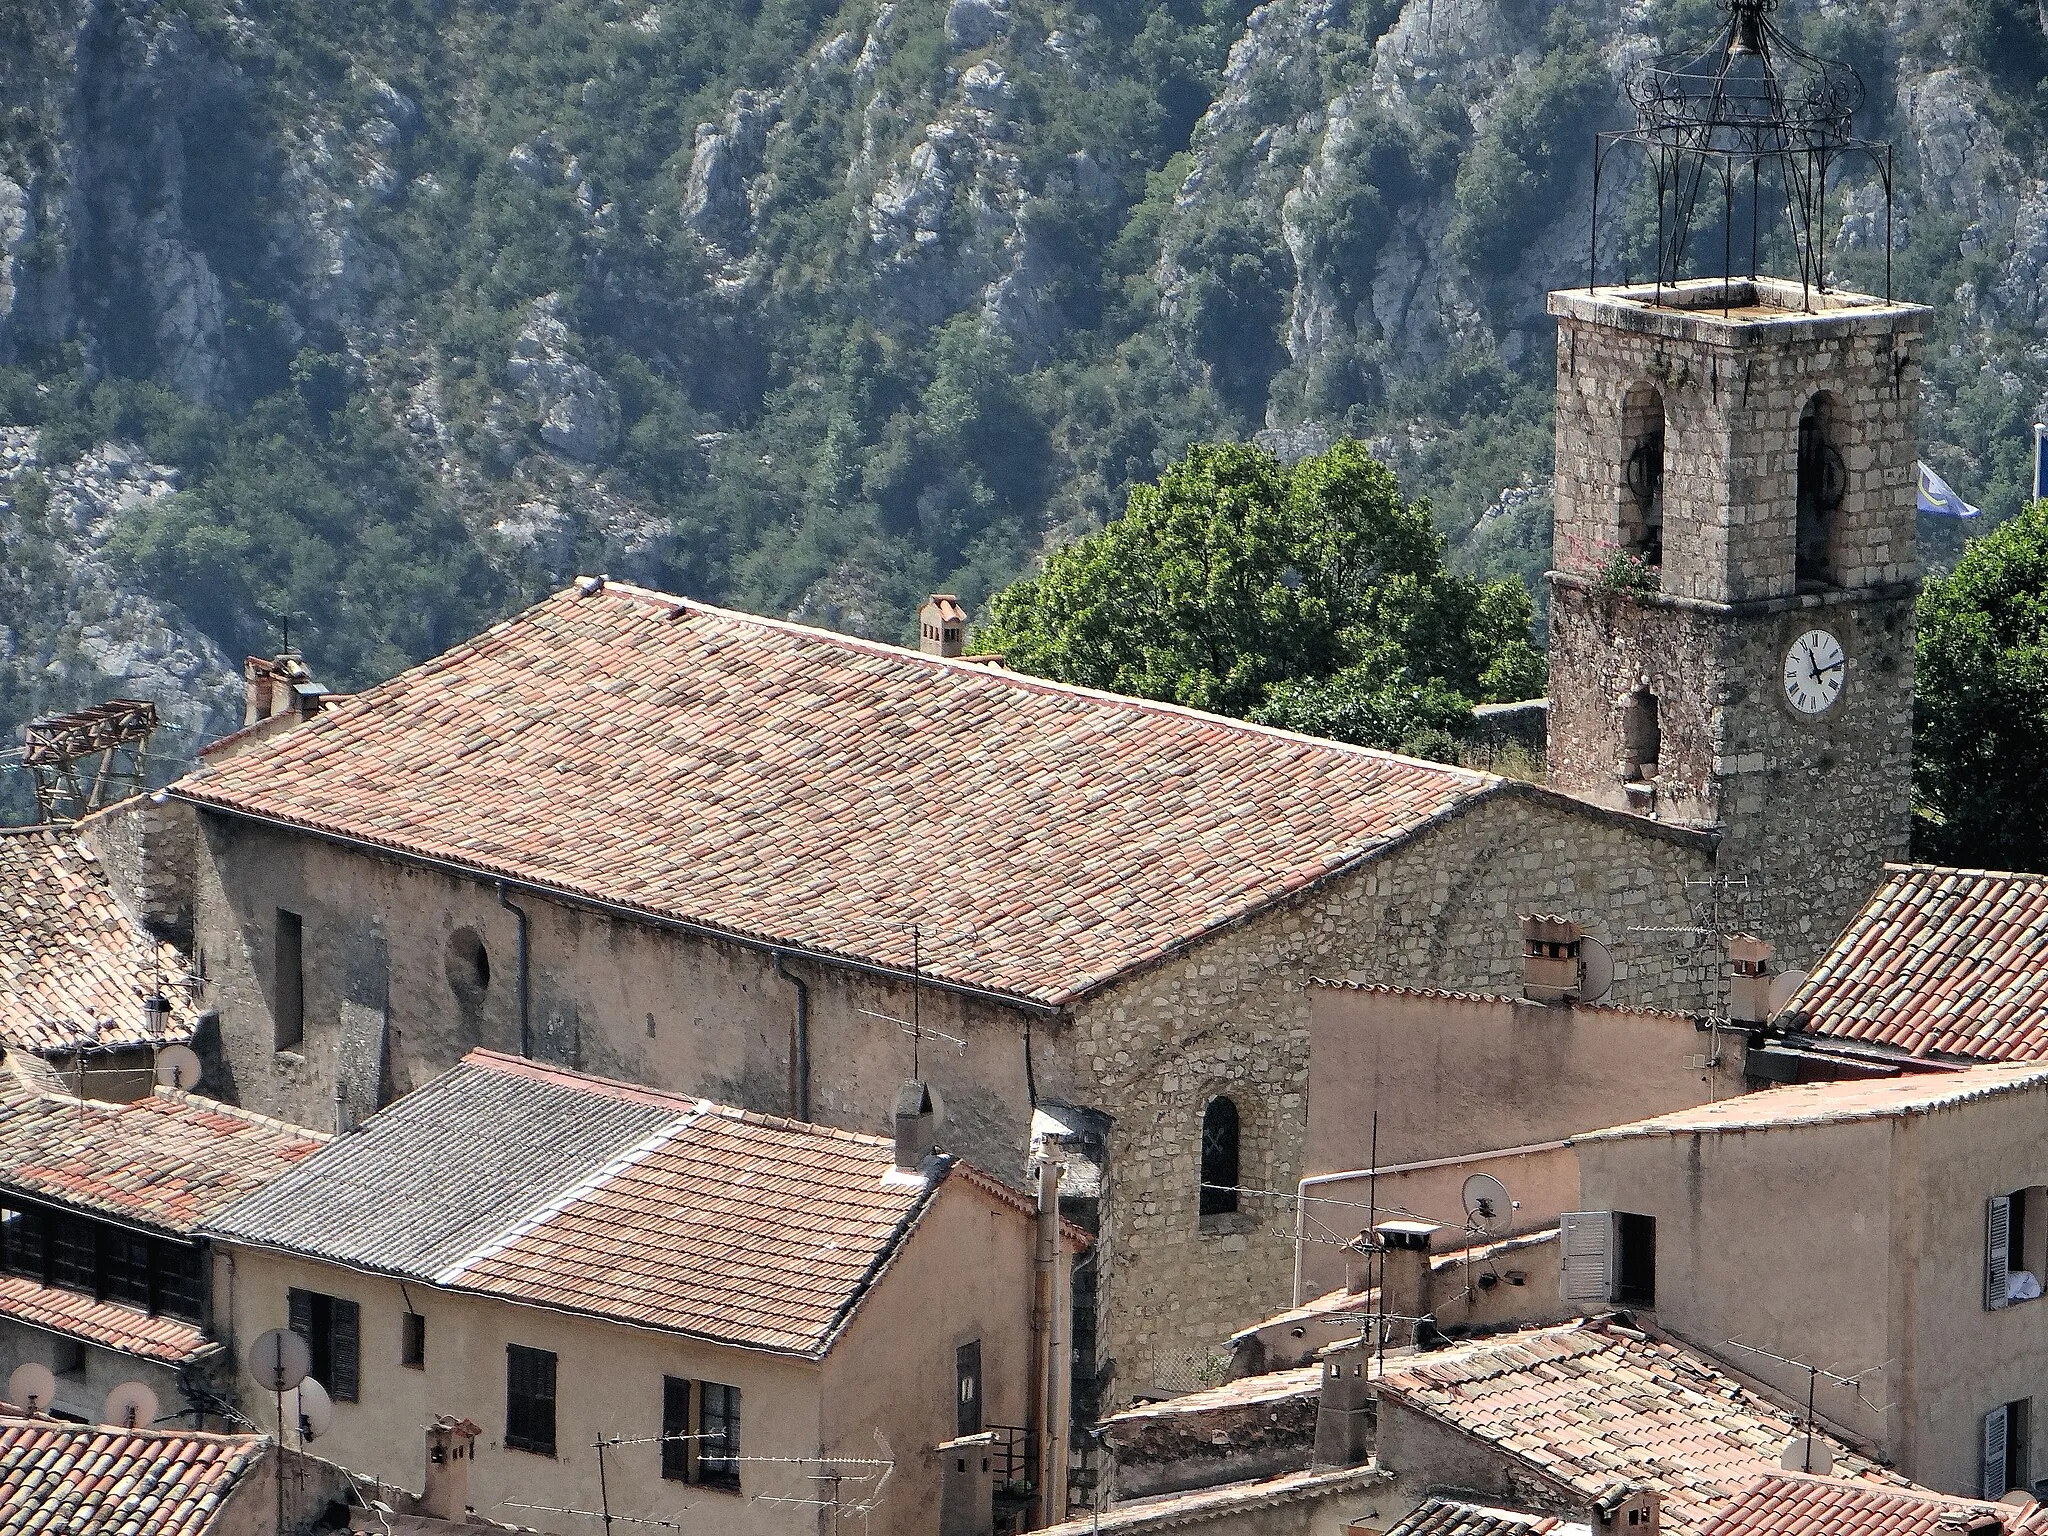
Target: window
[967, 1388]
[1642, 434]
[1219, 1158]
[469, 967]
[1608, 1256]
[288, 1002]
[124, 1267]
[74, 1256]
[718, 1444]
[1636, 1270]
[2005, 1434]
[332, 1327]
[1642, 735]
[1822, 480]
[179, 1285]
[412, 1341]
[23, 1239]
[675, 1428]
[529, 1400]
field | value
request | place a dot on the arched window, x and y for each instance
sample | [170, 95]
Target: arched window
[1823, 478]
[1219, 1158]
[1642, 436]
[1642, 733]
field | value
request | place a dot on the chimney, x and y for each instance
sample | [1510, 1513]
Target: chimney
[942, 626]
[1749, 979]
[1627, 1509]
[915, 1132]
[1404, 1273]
[451, 1447]
[1345, 1410]
[1550, 958]
[279, 685]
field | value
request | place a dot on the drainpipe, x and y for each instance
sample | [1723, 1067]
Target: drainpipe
[800, 1057]
[1051, 1372]
[525, 1023]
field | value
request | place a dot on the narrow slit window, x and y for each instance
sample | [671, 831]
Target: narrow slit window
[1219, 1157]
[288, 1003]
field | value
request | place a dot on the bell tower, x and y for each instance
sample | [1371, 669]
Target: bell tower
[1731, 623]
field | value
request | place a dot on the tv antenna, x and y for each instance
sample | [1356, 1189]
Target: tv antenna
[1812, 1452]
[914, 1025]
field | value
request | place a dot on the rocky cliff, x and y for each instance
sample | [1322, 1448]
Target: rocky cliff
[380, 317]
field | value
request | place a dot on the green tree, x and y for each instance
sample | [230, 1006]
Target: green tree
[1980, 712]
[1313, 597]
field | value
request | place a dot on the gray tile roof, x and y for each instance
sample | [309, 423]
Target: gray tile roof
[444, 1170]
[1455, 1517]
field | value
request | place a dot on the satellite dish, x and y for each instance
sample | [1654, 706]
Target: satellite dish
[32, 1386]
[1784, 986]
[315, 1410]
[1487, 1205]
[1807, 1452]
[131, 1405]
[1596, 973]
[279, 1360]
[177, 1066]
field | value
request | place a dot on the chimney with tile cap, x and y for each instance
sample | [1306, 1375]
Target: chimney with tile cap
[1627, 1509]
[915, 1125]
[277, 685]
[1749, 979]
[451, 1447]
[942, 626]
[1550, 958]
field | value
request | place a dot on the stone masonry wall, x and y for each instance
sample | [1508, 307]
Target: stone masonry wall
[1232, 1017]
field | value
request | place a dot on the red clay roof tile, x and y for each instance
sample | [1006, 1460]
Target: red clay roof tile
[89, 1480]
[1792, 1503]
[1940, 962]
[73, 968]
[793, 785]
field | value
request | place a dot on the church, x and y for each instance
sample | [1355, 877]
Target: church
[724, 855]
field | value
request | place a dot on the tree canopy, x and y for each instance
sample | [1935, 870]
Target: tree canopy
[1981, 702]
[1312, 597]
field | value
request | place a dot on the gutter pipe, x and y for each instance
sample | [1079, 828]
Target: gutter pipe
[525, 1022]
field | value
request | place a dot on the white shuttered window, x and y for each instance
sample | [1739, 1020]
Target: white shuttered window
[1994, 1453]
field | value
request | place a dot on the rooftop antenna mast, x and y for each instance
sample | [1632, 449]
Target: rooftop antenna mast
[1751, 114]
[914, 1025]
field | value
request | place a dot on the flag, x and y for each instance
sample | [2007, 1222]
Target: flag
[1936, 497]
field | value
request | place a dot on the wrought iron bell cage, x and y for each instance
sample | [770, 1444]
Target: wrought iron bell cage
[1752, 107]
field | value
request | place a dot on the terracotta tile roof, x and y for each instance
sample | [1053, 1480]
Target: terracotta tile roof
[1940, 962]
[1206, 1507]
[621, 1202]
[168, 1161]
[105, 1323]
[1271, 1386]
[1915, 1093]
[1398, 989]
[790, 785]
[1455, 1517]
[1798, 1504]
[85, 1480]
[1589, 1404]
[73, 968]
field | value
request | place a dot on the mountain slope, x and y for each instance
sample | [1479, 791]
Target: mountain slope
[418, 307]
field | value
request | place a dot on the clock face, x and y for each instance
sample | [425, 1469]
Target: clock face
[1814, 671]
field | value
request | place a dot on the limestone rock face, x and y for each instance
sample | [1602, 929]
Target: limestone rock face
[976, 23]
[578, 410]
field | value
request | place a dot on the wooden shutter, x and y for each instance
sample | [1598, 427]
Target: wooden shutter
[346, 1349]
[299, 1314]
[1997, 1252]
[675, 1428]
[1994, 1453]
[1586, 1256]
